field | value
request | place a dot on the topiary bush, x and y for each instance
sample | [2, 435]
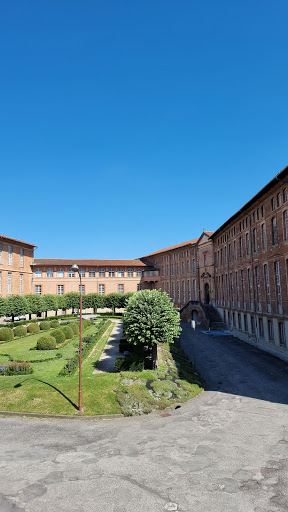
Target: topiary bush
[6, 334]
[54, 323]
[59, 336]
[20, 331]
[45, 325]
[75, 328]
[67, 332]
[46, 343]
[33, 328]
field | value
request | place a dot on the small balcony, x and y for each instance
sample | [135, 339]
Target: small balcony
[149, 276]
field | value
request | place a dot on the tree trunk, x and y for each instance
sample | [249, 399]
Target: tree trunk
[154, 356]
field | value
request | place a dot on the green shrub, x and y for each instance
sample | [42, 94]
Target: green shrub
[67, 332]
[45, 325]
[6, 334]
[16, 368]
[59, 336]
[54, 323]
[20, 331]
[46, 343]
[86, 323]
[33, 328]
[75, 328]
[128, 364]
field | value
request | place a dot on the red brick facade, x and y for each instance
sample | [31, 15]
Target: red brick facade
[16, 258]
[251, 267]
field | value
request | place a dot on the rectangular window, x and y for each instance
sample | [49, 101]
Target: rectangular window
[267, 285]
[21, 256]
[274, 231]
[10, 254]
[261, 328]
[163, 287]
[277, 282]
[282, 337]
[9, 283]
[241, 246]
[130, 272]
[101, 272]
[263, 232]
[194, 266]
[138, 287]
[60, 289]
[121, 288]
[270, 330]
[258, 287]
[243, 288]
[252, 324]
[38, 289]
[183, 292]
[101, 289]
[178, 292]
[247, 243]
[239, 322]
[255, 240]
[82, 289]
[172, 269]
[21, 284]
[189, 290]
[183, 268]
[245, 323]
[173, 291]
[194, 289]
[285, 222]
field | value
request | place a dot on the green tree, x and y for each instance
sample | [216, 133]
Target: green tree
[93, 300]
[2, 306]
[72, 300]
[150, 318]
[113, 300]
[35, 304]
[50, 303]
[16, 305]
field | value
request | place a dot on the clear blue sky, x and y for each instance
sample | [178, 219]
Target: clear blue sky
[128, 126]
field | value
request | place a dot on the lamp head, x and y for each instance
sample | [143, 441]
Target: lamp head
[75, 268]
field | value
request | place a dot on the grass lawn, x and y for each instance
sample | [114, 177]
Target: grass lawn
[44, 392]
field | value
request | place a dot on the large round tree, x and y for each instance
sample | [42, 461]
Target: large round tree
[150, 318]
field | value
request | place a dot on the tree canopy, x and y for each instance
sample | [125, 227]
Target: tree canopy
[150, 318]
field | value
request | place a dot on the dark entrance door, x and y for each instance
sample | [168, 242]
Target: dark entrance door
[207, 293]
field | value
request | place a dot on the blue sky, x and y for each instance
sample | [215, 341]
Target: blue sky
[129, 126]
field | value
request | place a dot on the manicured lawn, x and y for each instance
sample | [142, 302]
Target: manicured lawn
[44, 392]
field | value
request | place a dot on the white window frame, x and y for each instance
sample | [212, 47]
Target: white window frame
[21, 284]
[38, 289]
[60, 289]
[21, 257]
[102, 272]
[101, 289]
[60, 272]
[92, 272]
[49, 272]
[10, 253]
[38, 272]
[121, 289]
[121, 272]
[130, 272]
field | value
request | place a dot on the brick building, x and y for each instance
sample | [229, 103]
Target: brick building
[97, 276]
[16, 258]
[251, 267]
[184, 271]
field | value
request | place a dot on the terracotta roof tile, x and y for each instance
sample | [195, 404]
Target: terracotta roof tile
[183, 244]
[9, 239]
[96, 263]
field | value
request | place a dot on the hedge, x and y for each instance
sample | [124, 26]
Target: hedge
[33, 328]
[75, 328]
[124, 364]
[6, 334]
[20, 331]
[54, 323]
[68, 333]
[59, 336]
[45, 325]
[46, 343]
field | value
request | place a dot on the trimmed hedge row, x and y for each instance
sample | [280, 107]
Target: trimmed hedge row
[88, 343]
[69, 330]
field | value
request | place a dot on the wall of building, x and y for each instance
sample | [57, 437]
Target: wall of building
[16, 258]
[251, 267]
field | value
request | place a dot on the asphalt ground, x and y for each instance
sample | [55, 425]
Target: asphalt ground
[226, 450]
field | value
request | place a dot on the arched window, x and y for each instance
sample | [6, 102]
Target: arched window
[49, 272]
[139, 273]
[81, 272]
[91, 272]
[279, 199]
[120, 272]
[101, 273]
[38, 272]
[71, 273]
[60, 273]
[130, 272]
[111, 272]
[285, 195]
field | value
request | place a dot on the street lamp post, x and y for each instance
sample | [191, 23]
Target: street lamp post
[75, 268]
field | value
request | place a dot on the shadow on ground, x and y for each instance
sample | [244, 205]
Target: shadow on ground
[232, 366]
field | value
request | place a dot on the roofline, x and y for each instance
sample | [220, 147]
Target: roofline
[172, 248]
[66, 261]
[3, 237]
[246, 206]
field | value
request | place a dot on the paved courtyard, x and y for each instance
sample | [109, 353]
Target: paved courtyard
[224, 451]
